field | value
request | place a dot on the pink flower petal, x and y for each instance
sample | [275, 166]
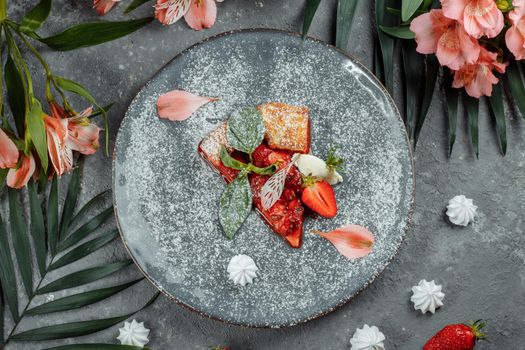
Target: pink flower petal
[202, 14]
[515, 41]
[352, 241]
[8, 151]
[170, 11]
[18, 178]
[104, 6]
[178, 105]
[454, 8]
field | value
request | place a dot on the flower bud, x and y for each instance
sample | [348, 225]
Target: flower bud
[504, 5]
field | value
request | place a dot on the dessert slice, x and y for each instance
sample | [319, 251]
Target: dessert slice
[286, 216]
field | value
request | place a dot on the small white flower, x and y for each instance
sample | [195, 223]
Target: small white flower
[368, 338]
[242, 269]
[461, 210]
[427, 296]
[133, 333]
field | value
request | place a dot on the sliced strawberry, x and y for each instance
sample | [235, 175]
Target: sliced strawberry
[319, 196]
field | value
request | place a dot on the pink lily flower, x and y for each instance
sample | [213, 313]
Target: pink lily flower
[479, 17]
[83, 136]
[178, 105]
[8, 151]
[104, 6]
[515, 35]
[478, 78]
[59, 152]
[198, 14]
[435, 33]
[18, 177]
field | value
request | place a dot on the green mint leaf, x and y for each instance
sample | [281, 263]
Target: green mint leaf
[235, 204]
[333, 161]
[245, 130]
[269, 170]
[231, 162]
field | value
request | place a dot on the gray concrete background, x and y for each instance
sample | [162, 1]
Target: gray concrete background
[482, 267]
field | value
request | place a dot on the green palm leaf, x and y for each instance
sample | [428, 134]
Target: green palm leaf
[309, 13]
[20, 238]
[71, 199]
[80, 300]
[496, 104]
[38, 228]
[82, 277]
[85, 229]
[516, 85]
[431, 74]
[52, 216]
[84, 250]
[3, 175]
[414, 66]
[386, 42]
[85, 210]
[74, 329]
[7, 274]
[472, 106]
[408, 8]
[452, 96]
[345, 17]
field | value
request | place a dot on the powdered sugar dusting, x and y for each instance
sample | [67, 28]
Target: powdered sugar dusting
[167, 197]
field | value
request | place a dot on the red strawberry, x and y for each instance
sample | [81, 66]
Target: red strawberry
[456, 337]
[319, 196]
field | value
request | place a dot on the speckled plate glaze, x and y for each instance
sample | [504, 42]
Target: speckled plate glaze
[166, 197]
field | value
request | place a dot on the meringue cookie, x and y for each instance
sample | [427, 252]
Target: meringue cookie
[461, 211]
[133, 333]
[427, 296]
[368, 338]
[242, 269]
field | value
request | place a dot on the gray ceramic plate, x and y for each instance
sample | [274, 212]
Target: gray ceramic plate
[166, 197]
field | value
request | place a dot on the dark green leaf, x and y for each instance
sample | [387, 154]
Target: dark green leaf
[15, 94]
[52, 216]
[79, 300]
[496, 104]
[3, 175]
[83, 277]
[401, 32]
[20, 238]
[99, 111]
[231, 162]
[38, 227]
[309, 13]
[89, 34]
[7, 273]
[245, 130]
[377, 68]
[134, 4]
[74, 329]
[85, 229]
[34, 18]
[37, 131]
[84, 249]
[414, 66]
[71, 199]
[408, 8]
[452, 112]
[235, 204]
[516, 85]
[472, 106]
[87, 208]
[431, 74]
[386, 42]
[269, 170]
[345, 18]
[96, 347]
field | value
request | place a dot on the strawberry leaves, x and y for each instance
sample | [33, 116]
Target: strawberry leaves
[235, 204]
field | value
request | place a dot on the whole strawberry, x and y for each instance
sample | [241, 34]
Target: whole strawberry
[456, 337]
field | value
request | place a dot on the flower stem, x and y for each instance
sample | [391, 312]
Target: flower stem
[3, 10]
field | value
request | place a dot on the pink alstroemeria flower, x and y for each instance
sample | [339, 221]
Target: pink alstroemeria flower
[59, 152]
[445, 37]
[18, 177]
[479, 17]
[83, 136]
[198, 14]
[478, 78]
[8, 151]
[515, 35]
[104, 6]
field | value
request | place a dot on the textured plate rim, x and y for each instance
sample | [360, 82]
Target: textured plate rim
[344, 300]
